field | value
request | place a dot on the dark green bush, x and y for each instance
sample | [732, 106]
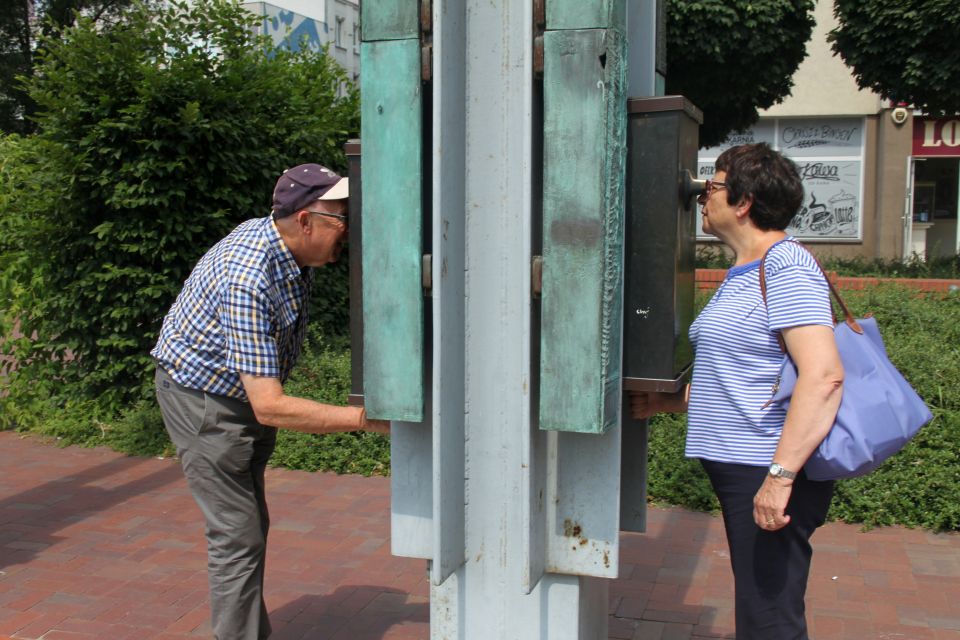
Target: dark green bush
[912, 267]
[920, 486]
[323, 374]
[673, 478]
[155, 137]
[139, 431]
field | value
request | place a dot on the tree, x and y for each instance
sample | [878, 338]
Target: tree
[17, 39]
[904, 50]
[15, 60]
[731, 57]
[156, 135]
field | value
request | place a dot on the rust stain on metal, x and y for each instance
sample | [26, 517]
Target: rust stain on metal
[571, 529]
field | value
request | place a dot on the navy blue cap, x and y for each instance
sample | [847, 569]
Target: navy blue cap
[306, 183]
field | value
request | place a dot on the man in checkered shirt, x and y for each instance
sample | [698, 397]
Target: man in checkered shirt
[227, 345]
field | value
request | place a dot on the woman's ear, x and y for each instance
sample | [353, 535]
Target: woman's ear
[744, 206]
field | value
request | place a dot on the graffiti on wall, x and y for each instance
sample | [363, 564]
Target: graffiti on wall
[289, 30]
[828, 154]
[831, 207]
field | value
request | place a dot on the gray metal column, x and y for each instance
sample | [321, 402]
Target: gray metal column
[501, 590]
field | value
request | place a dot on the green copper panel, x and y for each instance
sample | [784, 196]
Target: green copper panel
[389, 20]
[583, 194]
[391, 123]
[586, 14]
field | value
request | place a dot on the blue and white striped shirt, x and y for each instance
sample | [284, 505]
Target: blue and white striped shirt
[738, 358]
[242, 310]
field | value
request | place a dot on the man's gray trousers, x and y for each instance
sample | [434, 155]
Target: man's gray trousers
[224, 451]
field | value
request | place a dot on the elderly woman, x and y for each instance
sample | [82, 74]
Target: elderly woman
[754, 452]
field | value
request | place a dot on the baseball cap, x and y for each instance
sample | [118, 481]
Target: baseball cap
[305, 183]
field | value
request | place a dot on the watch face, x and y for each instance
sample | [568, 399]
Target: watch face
[775, 469]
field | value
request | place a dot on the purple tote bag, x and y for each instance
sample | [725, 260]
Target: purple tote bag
[879, 411]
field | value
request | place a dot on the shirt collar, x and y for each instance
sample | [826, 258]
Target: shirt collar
[286, 263]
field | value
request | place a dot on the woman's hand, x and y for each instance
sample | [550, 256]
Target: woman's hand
[646, 404]
[770, 503]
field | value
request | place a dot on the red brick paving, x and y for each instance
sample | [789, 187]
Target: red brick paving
[95, 545]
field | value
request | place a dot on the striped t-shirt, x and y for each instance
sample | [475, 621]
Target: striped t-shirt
[738, 358]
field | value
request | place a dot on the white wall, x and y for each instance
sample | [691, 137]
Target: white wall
[823, 84]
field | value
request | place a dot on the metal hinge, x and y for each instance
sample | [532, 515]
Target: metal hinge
[426, 274]
[426, 40]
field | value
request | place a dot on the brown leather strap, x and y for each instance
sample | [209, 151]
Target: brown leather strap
[847, 316]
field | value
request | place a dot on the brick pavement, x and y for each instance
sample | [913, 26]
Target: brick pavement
[96, 545]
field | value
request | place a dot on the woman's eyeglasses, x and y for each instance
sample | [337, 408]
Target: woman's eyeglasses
[711, 187]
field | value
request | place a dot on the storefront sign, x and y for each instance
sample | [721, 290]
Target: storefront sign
[762, 131]
[932, 137]
[831, 207]
[831, 201]
[828, 153]
[820, 137]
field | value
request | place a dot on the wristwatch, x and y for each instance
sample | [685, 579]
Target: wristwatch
[777, 471]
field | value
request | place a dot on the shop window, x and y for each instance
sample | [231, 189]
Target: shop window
[935, 189]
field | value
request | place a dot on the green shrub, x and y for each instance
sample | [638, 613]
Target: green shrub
[922, 335]
[156, 136]
[323, 374]
[715, 256]
[913, 267]
[920, 485]
[140, 432]
[671, 477]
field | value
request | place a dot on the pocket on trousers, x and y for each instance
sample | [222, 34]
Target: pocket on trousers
[182, 412]
[224, 437]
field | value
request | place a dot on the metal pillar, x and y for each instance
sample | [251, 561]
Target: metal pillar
[519, 525]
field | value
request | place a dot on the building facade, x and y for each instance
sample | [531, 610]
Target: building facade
[293, 24]
[880, 180]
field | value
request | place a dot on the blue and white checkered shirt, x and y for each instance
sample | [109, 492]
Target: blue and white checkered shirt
[242, 310]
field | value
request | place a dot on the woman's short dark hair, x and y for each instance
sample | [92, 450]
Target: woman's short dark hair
[756, 171]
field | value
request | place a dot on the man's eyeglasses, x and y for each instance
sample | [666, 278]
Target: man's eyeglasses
[711, 187]
[336, 216]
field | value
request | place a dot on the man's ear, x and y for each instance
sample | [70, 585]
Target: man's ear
[302, 218]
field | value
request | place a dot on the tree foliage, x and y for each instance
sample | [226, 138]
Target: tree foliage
[731, 57]
[18, 29]
[156, 136]
[904, 50]
[15, 60]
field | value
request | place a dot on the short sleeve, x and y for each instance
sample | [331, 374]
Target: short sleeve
[246, 318]
[797, 292]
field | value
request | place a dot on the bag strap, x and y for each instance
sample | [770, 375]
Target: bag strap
[847, 316]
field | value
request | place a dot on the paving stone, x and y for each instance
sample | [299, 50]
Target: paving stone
[94, 544]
